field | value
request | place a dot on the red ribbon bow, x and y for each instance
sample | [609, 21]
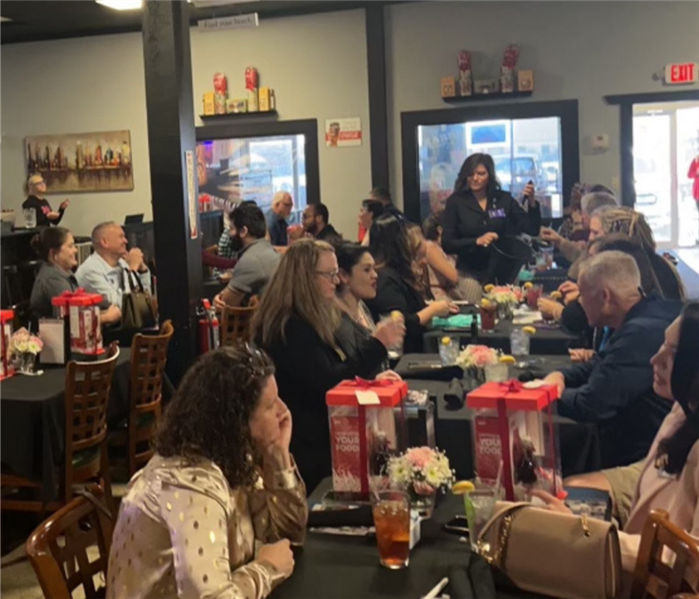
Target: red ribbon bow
[366, 384]
[513, 386]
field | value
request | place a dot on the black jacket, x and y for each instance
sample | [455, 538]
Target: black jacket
[393, 293]
[464, 222]
[42, 208]
[615, 388]
[306, 368]
[329, 234]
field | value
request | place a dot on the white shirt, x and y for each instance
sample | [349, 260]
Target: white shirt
[96, 276]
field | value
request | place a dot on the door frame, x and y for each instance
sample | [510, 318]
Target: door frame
[626, 103]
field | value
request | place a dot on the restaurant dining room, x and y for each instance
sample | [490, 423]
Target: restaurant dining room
[349, 299]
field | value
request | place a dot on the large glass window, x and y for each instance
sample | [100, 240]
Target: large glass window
[254, 168]
[524, 150]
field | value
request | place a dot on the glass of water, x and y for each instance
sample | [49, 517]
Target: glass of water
[448, 350]
[519, 342]
[29, 217]
[395, 352]
[496, 373]
[482, 504]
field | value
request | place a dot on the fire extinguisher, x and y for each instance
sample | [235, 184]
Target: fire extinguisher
[209, 338]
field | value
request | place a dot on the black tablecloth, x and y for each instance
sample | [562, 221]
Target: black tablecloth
[546, 341]
[346, 567]
[579, 442]
[33, 421]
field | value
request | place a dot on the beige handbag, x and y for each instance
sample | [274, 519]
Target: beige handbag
[546, 552]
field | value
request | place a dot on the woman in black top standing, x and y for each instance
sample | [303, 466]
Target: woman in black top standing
[35, 188]
[478, 213]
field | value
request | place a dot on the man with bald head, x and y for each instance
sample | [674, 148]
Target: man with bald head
[282, 205]
[615, 388]
[103, 272]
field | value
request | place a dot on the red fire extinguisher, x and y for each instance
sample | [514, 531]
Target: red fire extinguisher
[209, 338]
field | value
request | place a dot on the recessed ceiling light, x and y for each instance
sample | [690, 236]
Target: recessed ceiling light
[121, 4]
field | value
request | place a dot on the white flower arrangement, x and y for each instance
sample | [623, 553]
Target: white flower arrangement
[477, 356]
[505, 295]
[23, 342]
[421, 469]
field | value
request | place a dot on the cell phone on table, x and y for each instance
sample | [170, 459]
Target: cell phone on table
[457, 525]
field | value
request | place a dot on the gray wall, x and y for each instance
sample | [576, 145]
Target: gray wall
[578, 50]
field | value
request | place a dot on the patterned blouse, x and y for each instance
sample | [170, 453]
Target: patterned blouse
[183, 532]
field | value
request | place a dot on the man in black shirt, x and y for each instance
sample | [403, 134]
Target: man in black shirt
[315, 223]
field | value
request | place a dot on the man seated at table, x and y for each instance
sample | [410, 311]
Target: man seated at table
[277, 225]
[105, 271]
[315, 223]
[615, 388]
[257, 259]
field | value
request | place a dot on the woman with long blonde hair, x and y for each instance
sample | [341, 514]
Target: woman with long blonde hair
[297, 324]
[621, 219]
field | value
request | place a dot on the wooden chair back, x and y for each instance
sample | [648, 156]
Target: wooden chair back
[57, 549]
[236, 323]
[668, 560]
[148, 359]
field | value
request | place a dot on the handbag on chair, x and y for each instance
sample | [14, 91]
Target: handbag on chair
[137, 310]
[546, 552]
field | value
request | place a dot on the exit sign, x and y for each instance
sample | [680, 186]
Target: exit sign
[687, 72]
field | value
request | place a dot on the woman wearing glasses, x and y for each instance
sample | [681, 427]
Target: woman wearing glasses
[35, 188]
[297, 324]
[213, 513]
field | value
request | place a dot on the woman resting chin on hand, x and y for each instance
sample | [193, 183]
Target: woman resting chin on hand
[221, 482]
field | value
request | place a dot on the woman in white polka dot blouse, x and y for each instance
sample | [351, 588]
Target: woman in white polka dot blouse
[214, 512]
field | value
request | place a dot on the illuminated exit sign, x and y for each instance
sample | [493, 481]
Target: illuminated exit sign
[677, 73]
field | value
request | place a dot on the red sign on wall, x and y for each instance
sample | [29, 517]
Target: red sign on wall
[677, 73]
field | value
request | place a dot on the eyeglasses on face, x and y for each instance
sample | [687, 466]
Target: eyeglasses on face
[330, 275]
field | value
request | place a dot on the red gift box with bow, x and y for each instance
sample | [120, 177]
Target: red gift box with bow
[513, 433]
[366, 421]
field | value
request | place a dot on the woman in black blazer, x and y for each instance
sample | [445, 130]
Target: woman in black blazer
[399, 286]
[476, 215]
[297, 324]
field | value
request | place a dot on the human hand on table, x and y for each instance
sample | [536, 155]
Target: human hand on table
[581, 355]
[552, 503]
[279, 555]
[556, 378]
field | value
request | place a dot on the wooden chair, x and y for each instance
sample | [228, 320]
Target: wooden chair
[678, 573]
[235, 323]
[148, 358]
[61, 542]
[87, 389]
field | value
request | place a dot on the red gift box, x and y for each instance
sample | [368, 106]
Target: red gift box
[84, 318]
[350, 443]
[6, 367]
[493, 437]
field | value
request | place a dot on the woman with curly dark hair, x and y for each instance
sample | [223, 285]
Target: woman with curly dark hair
[222, 480]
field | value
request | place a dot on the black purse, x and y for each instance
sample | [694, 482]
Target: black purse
[137, 309]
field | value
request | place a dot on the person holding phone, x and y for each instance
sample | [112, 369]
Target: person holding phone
[477, 214]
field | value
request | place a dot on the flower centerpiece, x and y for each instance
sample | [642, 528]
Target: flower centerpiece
[506, 297]
[473, 359]
[423, 472]
[24, 348]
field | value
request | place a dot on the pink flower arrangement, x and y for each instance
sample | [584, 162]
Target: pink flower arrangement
[505, 294]
[422, 470]
[477, 356]
[23, 342]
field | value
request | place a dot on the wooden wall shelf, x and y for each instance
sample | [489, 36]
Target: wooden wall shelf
[485, 97]
[218, 118]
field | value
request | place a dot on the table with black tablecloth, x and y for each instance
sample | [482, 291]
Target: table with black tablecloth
[347, 567]
[33, 421]
[548, 339]
[579, 442]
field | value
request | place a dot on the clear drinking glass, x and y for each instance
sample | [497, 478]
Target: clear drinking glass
[29, 217]
[391, 511]
[448, 350]
[519, 342]
[496, 373]
[482, 501]
[395, 352]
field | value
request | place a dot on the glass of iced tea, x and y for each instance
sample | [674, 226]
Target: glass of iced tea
[488, 314]
[533, 295]
[392, 522]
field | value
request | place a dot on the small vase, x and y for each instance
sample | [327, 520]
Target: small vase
[474, 377]
[505, 311]
[422, 504]
[26, 363]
